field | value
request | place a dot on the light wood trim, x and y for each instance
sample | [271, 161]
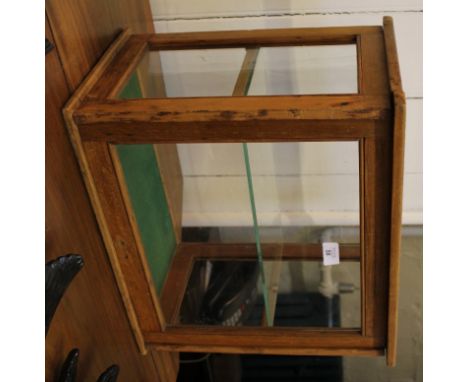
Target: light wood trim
[272, 288]
[68, 111]
[362, 234]
[377, 157]
[397, 187]
[271, 251]
[176, 283]
[116, 75]
[371, 60]
[391, 51]
[235, 109]
[117, 225]
[290, 350]
[95, 74]
[246, 72]
[255, 38]
[260, 337]
[136, 232]
[235, 119]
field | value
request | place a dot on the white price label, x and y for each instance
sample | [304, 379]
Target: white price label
[331, 253]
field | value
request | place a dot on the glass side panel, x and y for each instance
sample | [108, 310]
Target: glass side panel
[145, 188]
[302, 293]
[325, 69]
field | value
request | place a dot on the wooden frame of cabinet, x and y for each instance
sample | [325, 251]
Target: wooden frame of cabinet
[374, 117]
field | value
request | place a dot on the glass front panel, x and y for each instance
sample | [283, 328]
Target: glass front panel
[277, 202]
[305, 184]
[265, 208]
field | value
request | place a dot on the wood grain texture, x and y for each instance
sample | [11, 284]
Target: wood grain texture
[257, 37]
[81, 31]
[91, 315]
[282, 118]
[115, 77]
[120, 240]
[397, 187]
[263, 337]
[372, 66]
[246, 72]
[78, 97]
[234, 109]
[289, 350]
[84, 29]
[366, 117]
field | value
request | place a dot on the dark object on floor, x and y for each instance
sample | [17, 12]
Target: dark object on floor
[257, 368]
[110, 375]
[296, 309]
[69, 367]
[231, 293]
[58, 275]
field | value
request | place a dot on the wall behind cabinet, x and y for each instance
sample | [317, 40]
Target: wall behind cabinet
[205, 15]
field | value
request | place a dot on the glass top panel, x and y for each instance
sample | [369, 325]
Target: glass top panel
[327, 69]
[324, 69]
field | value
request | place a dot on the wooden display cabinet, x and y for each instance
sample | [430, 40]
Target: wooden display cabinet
[125, 122]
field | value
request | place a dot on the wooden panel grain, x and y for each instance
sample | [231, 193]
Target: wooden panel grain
[271, 251]
[115, 77]
[229, 119]
[289, 350]
[397, 186]
[120, 241]
[84, 29]
[373, 71]
[91, 315]
[260, 337]
[377, 157]
[256, 38]
[234, 109]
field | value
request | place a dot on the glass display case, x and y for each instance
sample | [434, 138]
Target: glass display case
[248, 186]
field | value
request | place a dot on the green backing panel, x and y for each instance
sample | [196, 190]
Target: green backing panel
[146, 191]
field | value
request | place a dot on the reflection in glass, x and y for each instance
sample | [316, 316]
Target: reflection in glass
[301, 293]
